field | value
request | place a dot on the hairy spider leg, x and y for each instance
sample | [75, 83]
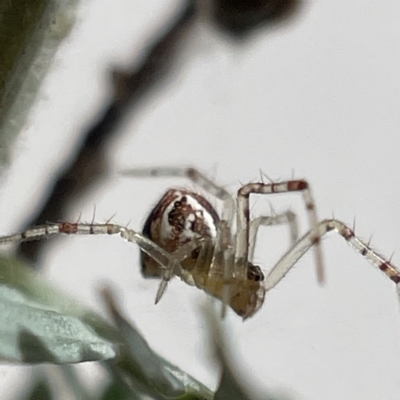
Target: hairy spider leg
[166, 260]
[287, 217]
[289, 259]
[196, 177]
[170, 262]
[179, 255]
[243, 218]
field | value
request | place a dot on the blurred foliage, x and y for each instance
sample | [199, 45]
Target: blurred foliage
[38, 324]
[30, 32]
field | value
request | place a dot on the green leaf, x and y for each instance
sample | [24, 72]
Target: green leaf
[119, 391]
[39, 324]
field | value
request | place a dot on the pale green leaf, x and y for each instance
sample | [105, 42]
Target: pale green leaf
[39, 324]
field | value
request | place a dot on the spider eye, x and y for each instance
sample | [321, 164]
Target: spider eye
[254, 273]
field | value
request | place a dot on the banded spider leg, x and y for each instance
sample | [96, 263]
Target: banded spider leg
[290, 258]
[162, 257]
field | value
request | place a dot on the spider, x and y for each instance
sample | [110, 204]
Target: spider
[185, 237]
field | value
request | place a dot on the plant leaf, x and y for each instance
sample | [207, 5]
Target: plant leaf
[38, 324]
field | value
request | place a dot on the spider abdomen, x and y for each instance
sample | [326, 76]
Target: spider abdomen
[179, 217]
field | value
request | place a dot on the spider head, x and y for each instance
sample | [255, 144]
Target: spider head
[254, 273]
[249, 294]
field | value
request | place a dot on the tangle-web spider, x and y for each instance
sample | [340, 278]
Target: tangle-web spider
[184, 236]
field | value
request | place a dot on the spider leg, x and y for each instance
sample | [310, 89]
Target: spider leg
[308, 240]
[179, 255]
[171, 266]
[196, 177]
[224, 246]
[243, 219]
[168, 262]
[288, 217]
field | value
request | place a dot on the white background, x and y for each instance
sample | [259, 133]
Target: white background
[319, 97]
